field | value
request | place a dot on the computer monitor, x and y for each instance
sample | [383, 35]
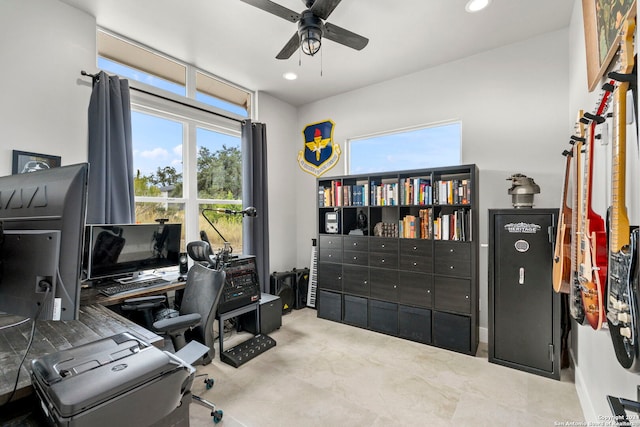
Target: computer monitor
[42, 214]
[117, 250]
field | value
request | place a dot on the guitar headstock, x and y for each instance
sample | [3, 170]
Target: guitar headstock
[626, 46]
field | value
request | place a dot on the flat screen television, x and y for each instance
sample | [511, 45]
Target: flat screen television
[42, 215]
[125, 250]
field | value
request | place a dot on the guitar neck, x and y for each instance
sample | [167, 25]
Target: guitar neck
[619, 232]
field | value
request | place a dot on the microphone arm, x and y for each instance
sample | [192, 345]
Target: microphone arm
[211, 223]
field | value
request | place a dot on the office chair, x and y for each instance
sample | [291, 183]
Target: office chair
[194, 321]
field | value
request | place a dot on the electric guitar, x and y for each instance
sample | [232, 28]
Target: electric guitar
[576, 308]
[592, 247]
[561, 273]
[622, 296]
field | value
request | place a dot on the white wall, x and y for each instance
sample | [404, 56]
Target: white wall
[597, 372]
[512, 102]
[282, 131]
[43, 107]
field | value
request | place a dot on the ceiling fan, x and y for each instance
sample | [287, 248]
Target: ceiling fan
[311, 26]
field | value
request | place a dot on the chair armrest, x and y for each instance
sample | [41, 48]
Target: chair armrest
[176, 323]
[143, 303]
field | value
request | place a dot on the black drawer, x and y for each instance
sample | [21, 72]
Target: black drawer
[356, 243]
[355, 257]
[383, 317]
[330, 306]
[330, 276]
[452, 294]
[384, 284]
[414, 324]
[330, 255]
[417, 264]
[330, 242]
[383, 245]
[355, 280]
[383, 260]
[416, 247]
[355, 311]
[452, 331]
[453, 258]
[415, 289]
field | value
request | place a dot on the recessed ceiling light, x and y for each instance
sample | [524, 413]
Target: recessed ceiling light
[476, 5]
[290, 76]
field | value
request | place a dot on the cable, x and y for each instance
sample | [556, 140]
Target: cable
[32, 335]
[15, 324]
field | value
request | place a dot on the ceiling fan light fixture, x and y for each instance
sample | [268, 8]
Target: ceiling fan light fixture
[310, 33]
[476, 5]
[310, 40]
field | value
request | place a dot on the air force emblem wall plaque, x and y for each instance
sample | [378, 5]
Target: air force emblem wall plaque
[320, 153]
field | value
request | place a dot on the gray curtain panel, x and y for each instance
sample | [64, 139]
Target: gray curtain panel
[111, 197]
[255, 232]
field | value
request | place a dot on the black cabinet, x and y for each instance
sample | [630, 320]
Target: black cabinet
[524, 310]
[413, 272]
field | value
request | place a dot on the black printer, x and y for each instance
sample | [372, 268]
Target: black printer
[118, 380]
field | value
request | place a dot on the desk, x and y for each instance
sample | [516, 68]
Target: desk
[93, 296]
[95, 322]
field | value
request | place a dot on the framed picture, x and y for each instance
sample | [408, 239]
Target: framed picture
[603, 20]
[24, 162]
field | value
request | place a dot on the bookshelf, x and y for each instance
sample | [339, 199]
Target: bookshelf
[410, 270]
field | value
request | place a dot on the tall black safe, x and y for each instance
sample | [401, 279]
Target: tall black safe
[524, 310]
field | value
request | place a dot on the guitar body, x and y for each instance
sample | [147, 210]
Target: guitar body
[622, 315]
[594, 261]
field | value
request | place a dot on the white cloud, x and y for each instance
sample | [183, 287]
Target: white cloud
[177, 150]
[156, 153]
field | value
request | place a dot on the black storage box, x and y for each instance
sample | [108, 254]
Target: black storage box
[270, 315]
[118, 380]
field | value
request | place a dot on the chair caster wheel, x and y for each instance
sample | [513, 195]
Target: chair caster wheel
[217, 416]
[209, 383]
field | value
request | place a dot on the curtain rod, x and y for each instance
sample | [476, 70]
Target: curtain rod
[96, 78]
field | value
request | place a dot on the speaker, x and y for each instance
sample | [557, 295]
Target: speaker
[184, 263]
[282, 285]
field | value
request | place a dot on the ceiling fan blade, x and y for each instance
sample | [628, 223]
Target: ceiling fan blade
[323, 8]
[345, 37]
[274, 8]
[292, 45]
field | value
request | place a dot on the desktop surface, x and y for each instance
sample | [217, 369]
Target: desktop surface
[95, 322]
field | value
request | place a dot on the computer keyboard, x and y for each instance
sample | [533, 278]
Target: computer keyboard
[116, 288]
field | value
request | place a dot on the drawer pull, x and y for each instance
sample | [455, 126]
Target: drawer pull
[451, 267]
[466, 296]
[382, 261]
[415, 264]
[394, 286]
[365, 282]
[382, 246]
[355, 243]
[452, 250]
[330, 255]
[415, 248]
[355, 258]
[339, 277]
[428, 291]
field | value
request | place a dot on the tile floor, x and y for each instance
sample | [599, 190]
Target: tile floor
[323, 373]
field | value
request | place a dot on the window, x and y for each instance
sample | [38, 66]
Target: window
[426, 147]
[185, 158]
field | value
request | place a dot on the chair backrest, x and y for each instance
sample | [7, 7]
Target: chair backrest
[202, 293]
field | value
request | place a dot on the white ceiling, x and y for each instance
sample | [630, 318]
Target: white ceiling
[238, 42]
